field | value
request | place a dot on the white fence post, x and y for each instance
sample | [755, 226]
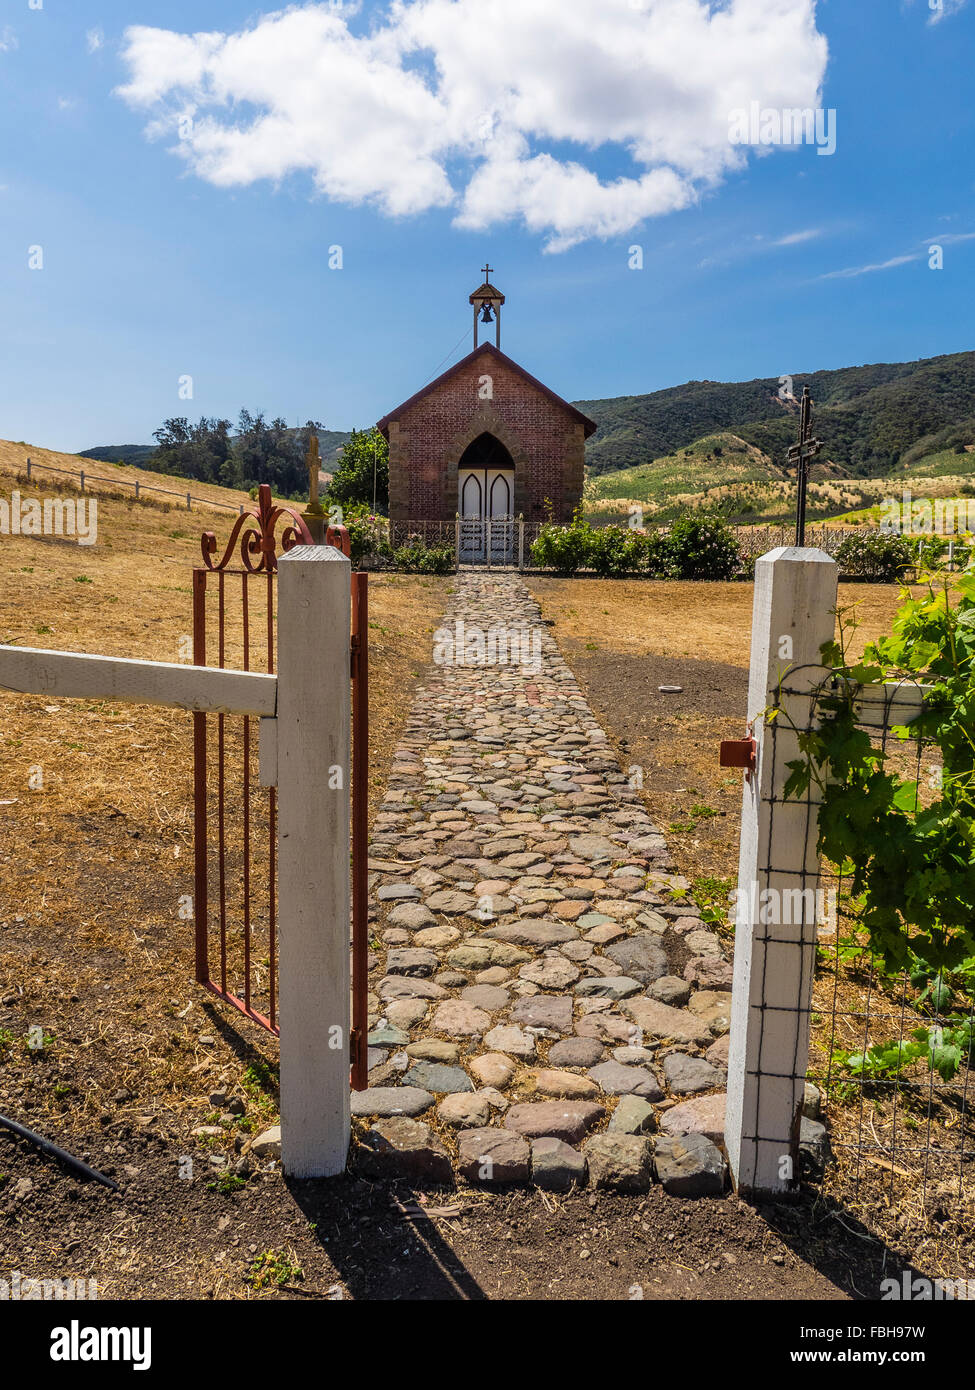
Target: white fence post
[775, 931]
[314, 771]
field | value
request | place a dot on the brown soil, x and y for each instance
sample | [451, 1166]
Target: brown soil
[707, 622]
[93, 951]
[167, 1238]
[623, 642]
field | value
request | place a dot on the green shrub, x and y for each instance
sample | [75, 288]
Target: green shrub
[906, 855]
[931, 552]
[874, 555]
[564, 549]
[702, 548]
[367, 535]
[656, 554]
[694, 548]
[417, 558]
[615, 551]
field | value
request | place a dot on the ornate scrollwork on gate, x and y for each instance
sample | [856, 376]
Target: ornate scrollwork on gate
[254, 530]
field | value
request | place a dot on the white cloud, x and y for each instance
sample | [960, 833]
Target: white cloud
[855, 270]
[451, 103]
[943, 9]
[94, 39]
[946, 239]
[797, 238]
[937, 10]
[8, 39]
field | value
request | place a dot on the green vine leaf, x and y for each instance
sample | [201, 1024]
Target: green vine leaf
[906, 845]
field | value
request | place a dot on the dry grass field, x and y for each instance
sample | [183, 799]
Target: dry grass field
[97, 854]
[96, 857]
[103, 479]
[710, 622]
[623, 640]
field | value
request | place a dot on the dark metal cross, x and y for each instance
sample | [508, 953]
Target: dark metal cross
[486, 271]
[801, 455]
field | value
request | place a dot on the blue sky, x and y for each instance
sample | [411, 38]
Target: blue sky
[202, 250]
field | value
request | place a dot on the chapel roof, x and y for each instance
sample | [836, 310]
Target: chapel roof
[487, 351]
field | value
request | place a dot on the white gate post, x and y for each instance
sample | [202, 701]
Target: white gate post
[313, 776]
[775, 931]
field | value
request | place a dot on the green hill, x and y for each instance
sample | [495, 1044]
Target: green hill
[133, 455]
[869, 418]
[717, 460]
[943, 463]
[724, 473]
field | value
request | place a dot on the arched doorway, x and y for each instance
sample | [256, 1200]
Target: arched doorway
[486, 498]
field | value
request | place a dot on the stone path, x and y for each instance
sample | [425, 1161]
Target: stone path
[545, 1006]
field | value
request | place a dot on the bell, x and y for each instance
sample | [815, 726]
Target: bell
[486, 314]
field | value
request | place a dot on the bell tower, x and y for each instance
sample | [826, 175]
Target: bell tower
[487, 303]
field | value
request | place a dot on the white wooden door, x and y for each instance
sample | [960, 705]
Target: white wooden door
[487, 515]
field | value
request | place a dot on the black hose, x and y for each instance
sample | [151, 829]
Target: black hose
[47, 1147]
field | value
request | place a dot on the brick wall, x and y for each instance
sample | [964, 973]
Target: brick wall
[427, 439]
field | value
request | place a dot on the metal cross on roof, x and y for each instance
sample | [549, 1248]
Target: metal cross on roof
[801, 455]
[486, 271]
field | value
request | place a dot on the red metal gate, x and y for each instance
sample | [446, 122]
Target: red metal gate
[235, 819]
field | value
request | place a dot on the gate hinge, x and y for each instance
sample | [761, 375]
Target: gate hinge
[267, 754]
[358, 1058]
[739, 752]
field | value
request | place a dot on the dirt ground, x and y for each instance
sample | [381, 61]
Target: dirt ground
[93, 865]
[623, 641]
[709, 622]
[166, 1238]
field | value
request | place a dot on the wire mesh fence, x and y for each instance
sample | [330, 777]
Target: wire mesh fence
[889, 1052]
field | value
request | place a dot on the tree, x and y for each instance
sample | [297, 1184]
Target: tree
[200, 451]
[353, 478]
[258, 452]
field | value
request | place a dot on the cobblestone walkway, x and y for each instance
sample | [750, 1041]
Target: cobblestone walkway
[545, 1008]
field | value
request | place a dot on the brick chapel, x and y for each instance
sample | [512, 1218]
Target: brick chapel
[485, 439]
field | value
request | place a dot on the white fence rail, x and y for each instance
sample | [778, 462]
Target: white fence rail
[306, 722]
[72, 675]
